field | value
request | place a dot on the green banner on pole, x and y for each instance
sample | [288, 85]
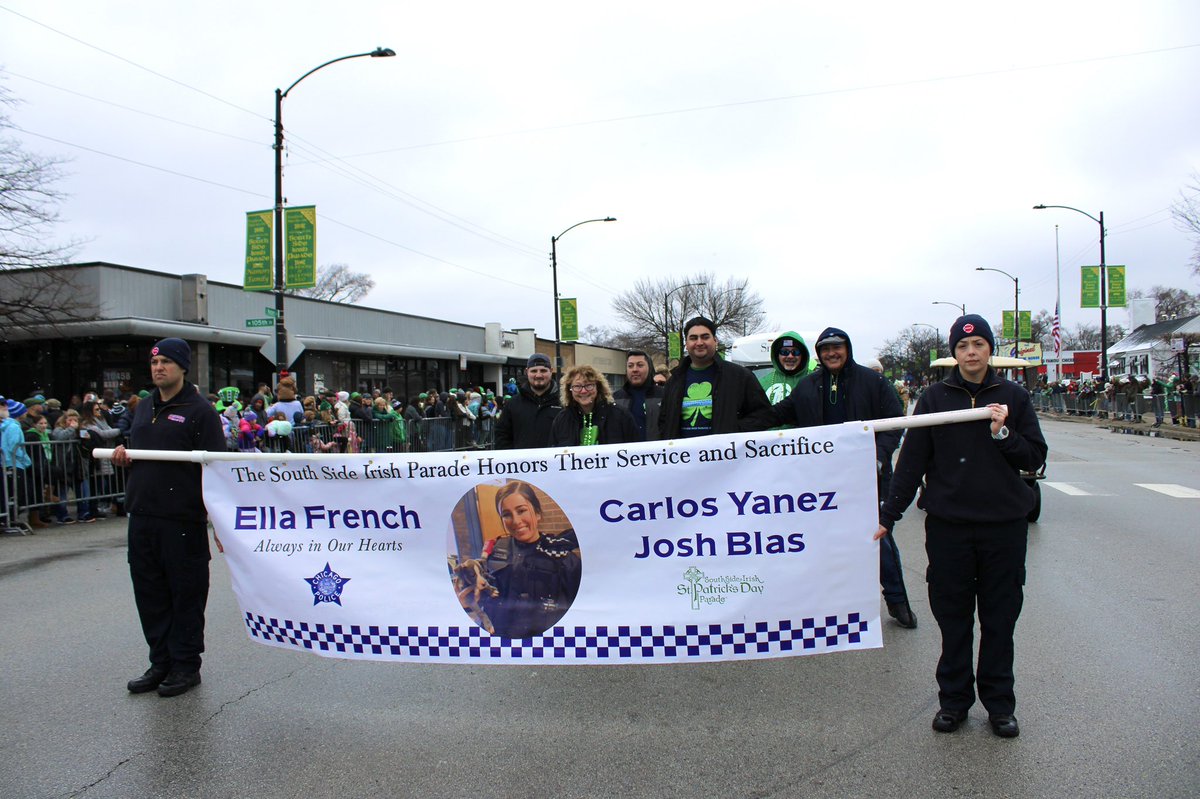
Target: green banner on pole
[1089, 287]
[301, 226]
[568, 312]
[673, 346]
[1116, 286]
[260, 272]
[1026, 323]
[1006, 326]
[932, 356]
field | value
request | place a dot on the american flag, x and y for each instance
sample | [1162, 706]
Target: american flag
[1056, 333]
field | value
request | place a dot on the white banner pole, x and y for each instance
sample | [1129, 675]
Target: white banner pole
[200, 456]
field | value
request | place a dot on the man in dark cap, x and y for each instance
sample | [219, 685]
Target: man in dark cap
[707, 394]
[842, 390]
[527, 417]
[976, 530]
[168, 523]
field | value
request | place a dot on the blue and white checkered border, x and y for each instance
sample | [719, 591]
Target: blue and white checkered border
[613, 644]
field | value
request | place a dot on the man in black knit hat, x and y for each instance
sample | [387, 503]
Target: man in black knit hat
[168, 523]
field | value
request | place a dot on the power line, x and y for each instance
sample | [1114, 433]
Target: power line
[131, 63]
[140, 163]
[781, 98]
[133, 110]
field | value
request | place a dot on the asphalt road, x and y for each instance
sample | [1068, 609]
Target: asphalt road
[1108, 685]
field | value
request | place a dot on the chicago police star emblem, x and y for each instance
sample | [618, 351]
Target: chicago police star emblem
[327, 586]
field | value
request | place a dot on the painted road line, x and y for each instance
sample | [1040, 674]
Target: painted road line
[1067, 488]
[1172, 490]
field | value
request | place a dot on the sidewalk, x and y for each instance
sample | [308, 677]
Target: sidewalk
[1138, 427]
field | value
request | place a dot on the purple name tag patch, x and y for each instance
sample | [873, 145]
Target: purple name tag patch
[174, 417]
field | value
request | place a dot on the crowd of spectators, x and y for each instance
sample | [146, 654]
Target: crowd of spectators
[46, 444]
[1128, 397]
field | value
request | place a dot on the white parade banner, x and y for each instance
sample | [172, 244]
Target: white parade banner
[741, 546]
[725, 547]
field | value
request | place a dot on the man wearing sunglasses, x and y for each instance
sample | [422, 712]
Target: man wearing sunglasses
[789, 355]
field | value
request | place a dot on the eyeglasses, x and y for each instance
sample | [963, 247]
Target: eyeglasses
[785, 353]
[583, 388]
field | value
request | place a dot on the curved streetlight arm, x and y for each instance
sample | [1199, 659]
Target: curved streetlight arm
[960, 306]
[1069, 208]
[378, 52]
[990, 269]
[584, 222]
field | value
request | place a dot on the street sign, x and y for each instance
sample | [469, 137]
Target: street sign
[260, 323]
[271, 312]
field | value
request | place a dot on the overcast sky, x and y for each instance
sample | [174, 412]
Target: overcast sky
[855, 161]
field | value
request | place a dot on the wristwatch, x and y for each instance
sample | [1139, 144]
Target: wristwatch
[1003, 434]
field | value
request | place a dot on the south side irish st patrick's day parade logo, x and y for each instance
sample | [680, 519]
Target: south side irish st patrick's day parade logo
[704, 590]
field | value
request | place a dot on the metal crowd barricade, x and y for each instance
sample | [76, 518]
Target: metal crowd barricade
[61, 474]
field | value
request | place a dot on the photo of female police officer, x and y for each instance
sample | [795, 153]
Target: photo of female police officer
[515, 562]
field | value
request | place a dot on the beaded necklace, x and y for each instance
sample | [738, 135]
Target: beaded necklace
[590, 433]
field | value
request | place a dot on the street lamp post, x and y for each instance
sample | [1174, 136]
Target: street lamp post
[281, 355]
[667, 322]
[1016, 302]
[1103, 288]
[937, 333]
[558, 361]
[961, 307]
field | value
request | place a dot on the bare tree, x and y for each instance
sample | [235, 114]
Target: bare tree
[1087, 336]
[336, 283]
[908, 353]
[1186, 211]
[1170, 303]
[33, 295]
[652, 308]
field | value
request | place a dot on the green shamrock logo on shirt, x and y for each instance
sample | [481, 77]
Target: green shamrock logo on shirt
[697, 405]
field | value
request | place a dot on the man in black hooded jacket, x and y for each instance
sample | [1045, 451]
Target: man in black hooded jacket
[844, 391]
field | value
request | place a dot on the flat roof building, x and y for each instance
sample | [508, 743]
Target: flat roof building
[117, 312]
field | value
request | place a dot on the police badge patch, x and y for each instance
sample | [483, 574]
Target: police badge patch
[327, 586]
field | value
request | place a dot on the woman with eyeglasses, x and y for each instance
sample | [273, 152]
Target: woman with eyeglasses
[588, 415]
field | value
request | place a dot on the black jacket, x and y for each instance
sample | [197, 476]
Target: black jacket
[739, 403]
[170, 489]
[615, 423]
[653, 404]
[867, 394]
[526, 419]
[969, 476]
